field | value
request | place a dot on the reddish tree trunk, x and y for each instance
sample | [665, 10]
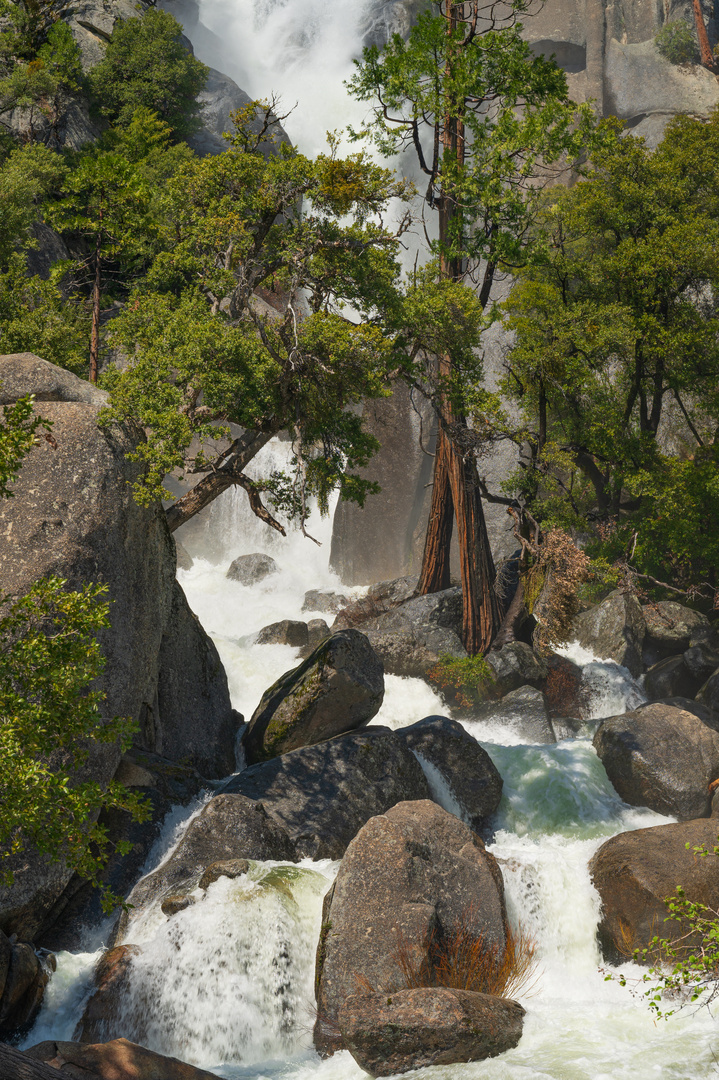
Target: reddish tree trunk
[95, 331]
[705, 49]
[435, 560]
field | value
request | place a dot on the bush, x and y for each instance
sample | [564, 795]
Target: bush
[675, 41]
[147, 65]
[469, 678]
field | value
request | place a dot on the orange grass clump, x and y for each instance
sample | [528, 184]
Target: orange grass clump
[465, 960]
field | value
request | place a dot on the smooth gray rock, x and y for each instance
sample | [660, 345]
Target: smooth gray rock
[322, 795]
[380, 598]
[410, 871]
[702, 658]
[251, 569]
[411, 637]
[640, 81]
[337, 688]
[287, 632]
[231, 826]
[324, 600]
[412, 1029]
[660, 757]
[463, 764]
[317, 631]
[614, 630]
[671, 678]
[670, 629]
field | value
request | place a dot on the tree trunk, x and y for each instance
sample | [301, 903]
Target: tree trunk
[15, 1065]
[95, 331]
[705, 50]
[227, 474]
[435, 560]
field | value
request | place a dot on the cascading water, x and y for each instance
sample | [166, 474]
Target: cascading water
[227, 983]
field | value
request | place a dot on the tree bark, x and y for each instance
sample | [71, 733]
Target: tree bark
[435, 561]
[15, 1065]
[705, 50]
[227, 474]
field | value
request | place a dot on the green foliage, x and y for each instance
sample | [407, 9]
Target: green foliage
[27, 178]
[676, 42]
[146, 65]
[18, 434]
[470, 678]
[617, 336]
[35, 317]
[49, 657]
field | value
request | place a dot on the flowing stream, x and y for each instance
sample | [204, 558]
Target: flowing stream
[227, 983]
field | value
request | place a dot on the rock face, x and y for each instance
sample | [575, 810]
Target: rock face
[229, 827]
[251, 569]
[660, 757]
[380, 597]
[635, 872]
[339, 687]
[410, 638]
[322, 795]
[101, 1010]
[73, 515]
[23, 978]
[464, 765]
[411, 872]
[670, 678]
[614, 630]
[430, 1026]
[115, 1060]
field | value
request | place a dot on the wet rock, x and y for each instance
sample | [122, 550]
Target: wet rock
[411, 1029]
[660, 757]
[172, 904]
[670, 627]
[515, 665]
[566, 727]
[614, 630]
[339, 687]
[708, 696]
[230, 827]
[410, 638]
[251, 569]
[523, 712]
[111, 979]
[670, 678]
[322, 795]
[115, 1060]
[380, 598]
[184, 559]
[25, 979]
[287, 632]
[636, 871]
[323, 600]
[410, 872]
[229, 868]
[464, 766]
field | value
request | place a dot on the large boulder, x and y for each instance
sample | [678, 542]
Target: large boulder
[251, 569]
[110, 987]
[634, 874]
[380, 598]
[411, 874]
[515, 665]
[670, 678]
[670, 628]
[73, 514]
[323, 600]
[661, 757]
[339, 687]
[286, 632]
[230, 827]
[411, 637]
[24, 974]
[428, 1026]
[322, 795]
[702, 657]
[115, 1060]
[614, 630]
[464, 766]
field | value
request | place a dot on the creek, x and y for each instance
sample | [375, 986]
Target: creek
[228, 984]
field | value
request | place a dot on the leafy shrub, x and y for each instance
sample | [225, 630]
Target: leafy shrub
[469, 678]
[675, 41]
[147, 65]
